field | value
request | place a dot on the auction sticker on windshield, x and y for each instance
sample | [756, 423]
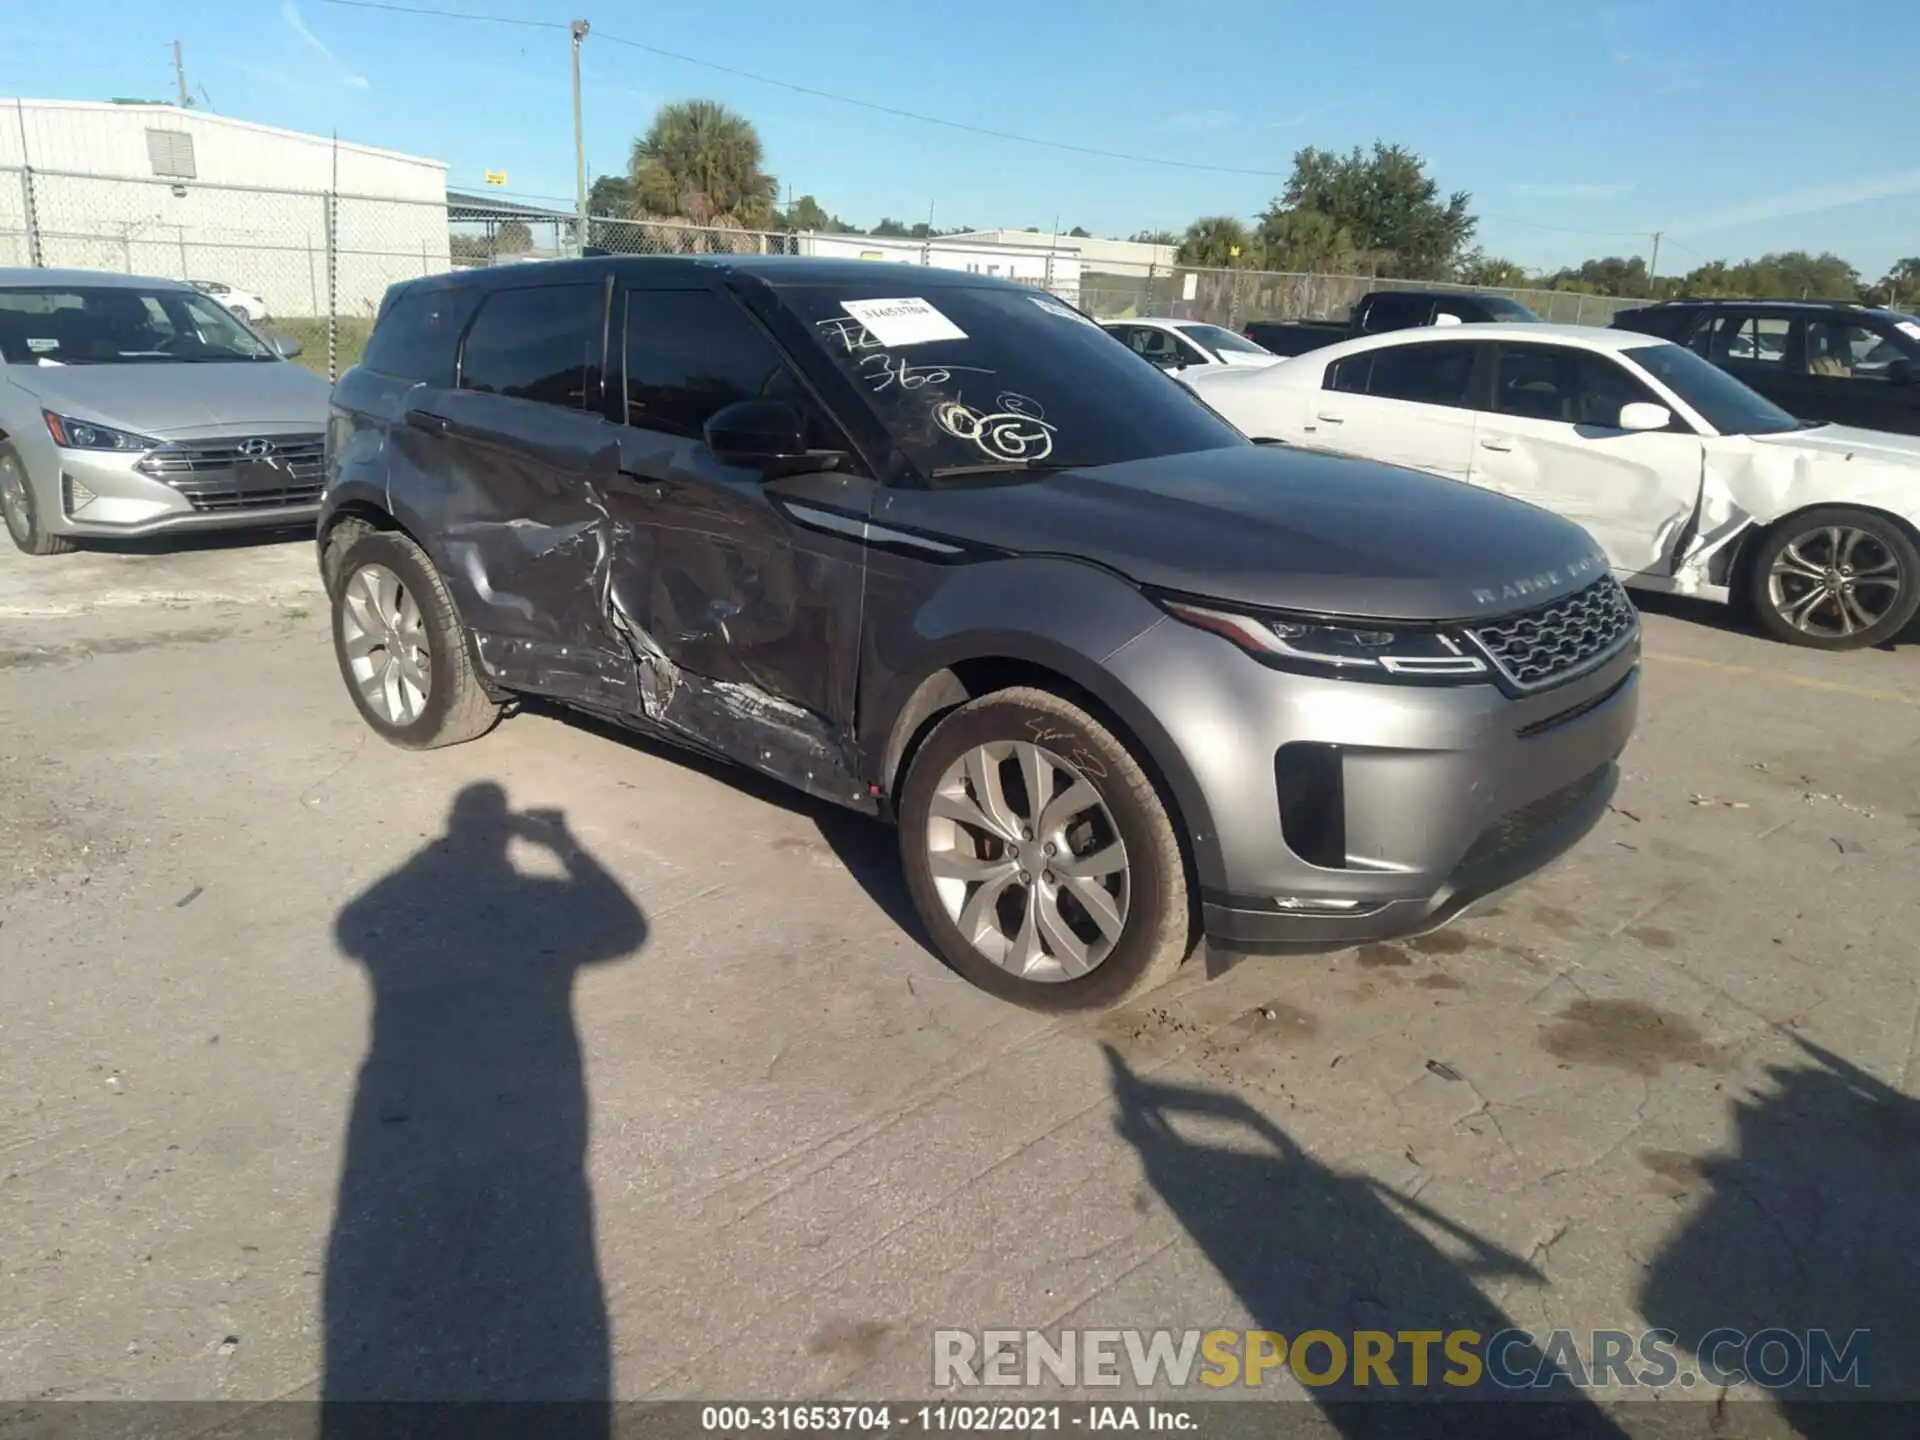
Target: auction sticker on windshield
[903, 321]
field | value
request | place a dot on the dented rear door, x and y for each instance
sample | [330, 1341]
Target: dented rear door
[519, 496]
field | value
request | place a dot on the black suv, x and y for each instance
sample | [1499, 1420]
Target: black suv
[1818, 360]
[938, 548]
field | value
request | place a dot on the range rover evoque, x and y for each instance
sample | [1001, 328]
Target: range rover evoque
[935, 547]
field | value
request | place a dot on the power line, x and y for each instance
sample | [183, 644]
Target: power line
[902, 114]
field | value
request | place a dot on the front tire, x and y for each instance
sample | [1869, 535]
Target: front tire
[402, 649]
[1836, 578]
[22, 512]
[1040, 857]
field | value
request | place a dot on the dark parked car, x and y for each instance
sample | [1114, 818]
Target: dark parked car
[1383, 310]
[1818, 360]
[954, 558]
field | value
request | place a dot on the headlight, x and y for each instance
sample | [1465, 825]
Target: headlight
[1338, 649]
[71, 434]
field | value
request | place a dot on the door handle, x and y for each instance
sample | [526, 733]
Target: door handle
[428, 421]
[1503, 446]
[1329, 418]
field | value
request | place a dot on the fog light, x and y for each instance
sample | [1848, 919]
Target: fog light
[77, 496]
[1296, 902]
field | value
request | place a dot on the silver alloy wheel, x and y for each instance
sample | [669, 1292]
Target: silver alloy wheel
[13, 499]
[1834, 581]
[385, 637]
[1033, 872]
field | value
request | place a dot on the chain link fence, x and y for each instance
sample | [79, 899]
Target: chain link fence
[314, 265]
[1233, 297]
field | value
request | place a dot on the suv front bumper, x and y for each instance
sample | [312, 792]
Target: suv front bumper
[1419, 802]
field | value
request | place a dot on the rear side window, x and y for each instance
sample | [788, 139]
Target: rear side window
[415, 339]
[1437, 374]
[1397, 312]
[692, 352]
[542, 343]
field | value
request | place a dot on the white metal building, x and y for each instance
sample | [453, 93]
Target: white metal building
[1096, 256]
[1056, 270]
[155, 189]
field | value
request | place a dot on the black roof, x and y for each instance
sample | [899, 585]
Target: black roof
[1769, 304]
[772, 269]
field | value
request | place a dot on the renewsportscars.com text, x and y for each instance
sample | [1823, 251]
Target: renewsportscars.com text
[1405, 1359]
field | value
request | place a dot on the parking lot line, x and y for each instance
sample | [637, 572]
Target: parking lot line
[1805, 682]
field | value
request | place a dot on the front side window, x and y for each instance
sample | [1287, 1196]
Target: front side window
[1574, 387]
[541, 343]
[1440, 373]
[690, 353]
[1398, 311]
[1844, 350]
[121, 325]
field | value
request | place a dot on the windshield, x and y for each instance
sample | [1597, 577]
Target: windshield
[1223, 341]
[1722, 401]
[120, 325]
[984, 376]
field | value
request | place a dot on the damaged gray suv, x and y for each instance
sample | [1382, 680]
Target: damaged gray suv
[937, 548]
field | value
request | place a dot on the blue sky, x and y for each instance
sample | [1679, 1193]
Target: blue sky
[1736, 126]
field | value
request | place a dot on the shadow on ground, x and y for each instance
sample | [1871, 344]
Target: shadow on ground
[462, 1263]
[1307, 1248]
[194, 541]
[1735, 618]
[1812, 1223]
[867, 848]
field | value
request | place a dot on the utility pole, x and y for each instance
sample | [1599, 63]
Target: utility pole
[180, 76]
[1653, 268]
[579, 30]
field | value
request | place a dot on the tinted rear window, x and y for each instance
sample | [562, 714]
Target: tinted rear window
[540, 343]
[415, 338]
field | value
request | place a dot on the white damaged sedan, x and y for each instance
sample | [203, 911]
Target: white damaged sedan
[1689, 481]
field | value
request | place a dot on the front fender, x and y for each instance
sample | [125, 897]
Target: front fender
[1059, 615]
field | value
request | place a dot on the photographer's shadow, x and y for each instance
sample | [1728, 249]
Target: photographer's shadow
[462, 1263]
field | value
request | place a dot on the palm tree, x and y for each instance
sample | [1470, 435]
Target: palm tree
[1215, 241]
[700, 161]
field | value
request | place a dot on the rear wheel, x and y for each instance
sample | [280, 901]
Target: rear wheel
[1836, 578]
[1040, 857]
[402, 649]
[22, 513]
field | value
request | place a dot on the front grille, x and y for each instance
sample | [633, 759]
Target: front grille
[1561, 640]
[250, 472]
[1517, 830]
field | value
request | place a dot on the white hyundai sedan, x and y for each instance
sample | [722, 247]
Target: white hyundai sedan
[1689, 481]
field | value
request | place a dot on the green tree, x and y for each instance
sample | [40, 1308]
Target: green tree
[806, 213]
[889, 228]
[512, 237]
[1778, 275]
[1387, 202]
[1900, 286]
[1214, 241]
[1608, 275]
[1477, 267]
[612, 196]
[1306, 241]
[1077, 233]
[701, 162]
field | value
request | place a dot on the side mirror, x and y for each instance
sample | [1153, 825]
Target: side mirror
[286, 347]
[757, 434]
[1644, 415]
[1903, 372]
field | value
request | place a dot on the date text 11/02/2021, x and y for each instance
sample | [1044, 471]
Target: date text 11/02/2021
[869, 1419]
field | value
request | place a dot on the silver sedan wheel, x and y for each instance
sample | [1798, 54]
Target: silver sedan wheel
[1028, 862]
[13, 499]
[1834, 581]
[385, 637]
